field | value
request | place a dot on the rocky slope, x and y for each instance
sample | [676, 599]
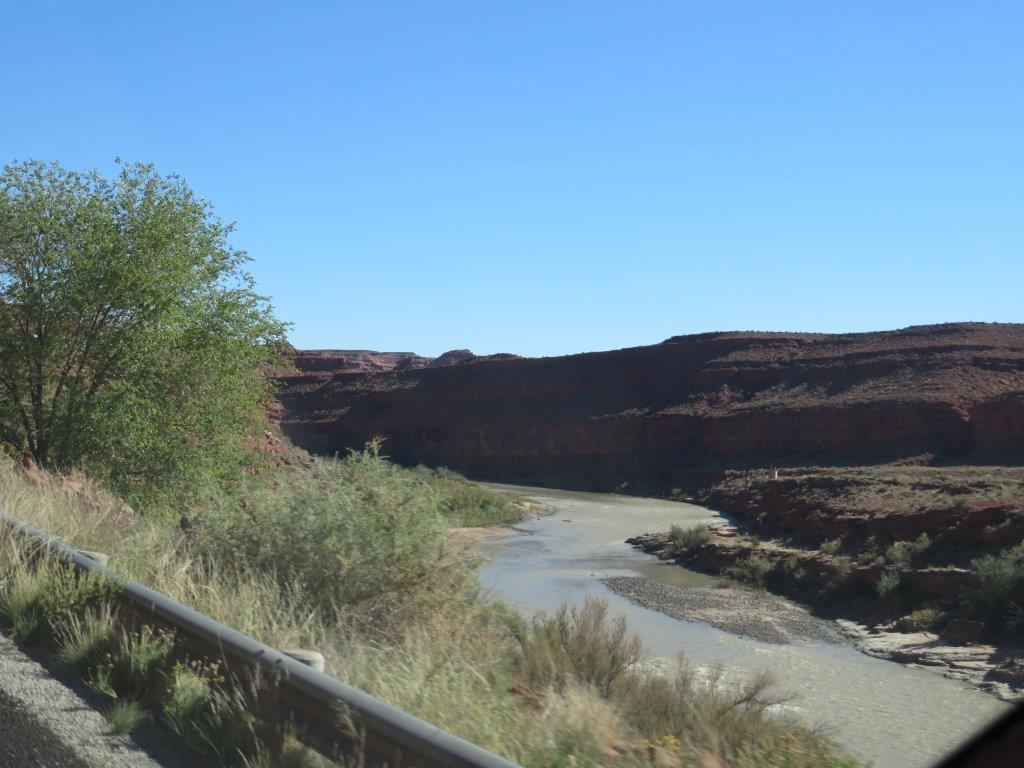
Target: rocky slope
[660, 415]
[971, 507]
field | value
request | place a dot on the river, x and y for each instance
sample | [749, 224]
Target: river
[891, 715]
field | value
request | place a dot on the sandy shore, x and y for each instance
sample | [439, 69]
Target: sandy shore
[470, 536]
[745, 612]
[474, 535]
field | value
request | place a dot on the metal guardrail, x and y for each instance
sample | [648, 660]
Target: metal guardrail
[312, 701]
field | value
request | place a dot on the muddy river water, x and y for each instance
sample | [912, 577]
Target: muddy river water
[890, 714]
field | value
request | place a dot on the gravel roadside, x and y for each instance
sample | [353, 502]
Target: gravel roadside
[746, 612]
[46, 724]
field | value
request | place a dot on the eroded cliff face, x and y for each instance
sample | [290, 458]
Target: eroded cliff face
[310, 369]
[657, 414]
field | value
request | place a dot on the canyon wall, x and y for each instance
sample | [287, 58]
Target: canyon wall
[655, 414]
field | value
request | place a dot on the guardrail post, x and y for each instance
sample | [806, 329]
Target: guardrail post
[309, 658]
[100, 557]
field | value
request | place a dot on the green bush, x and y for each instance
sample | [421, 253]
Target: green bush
[888, 584]
[753, 570]
[684, 714]
[795, 574]
[843, 567]
[685, 539]
[832, 547]
[358, 537]
[998, 596]
[870, 552]
[198, 710]
[905, 552]
[750, 538]
[467, 504]
[577, 644]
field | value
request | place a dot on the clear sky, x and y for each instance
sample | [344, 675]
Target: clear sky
[552, 177]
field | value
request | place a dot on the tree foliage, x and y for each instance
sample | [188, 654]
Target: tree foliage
[131, 338]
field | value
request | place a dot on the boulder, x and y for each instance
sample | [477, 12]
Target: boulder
[943, 582]
[959, 631]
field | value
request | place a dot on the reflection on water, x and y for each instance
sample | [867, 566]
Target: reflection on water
[889, 714]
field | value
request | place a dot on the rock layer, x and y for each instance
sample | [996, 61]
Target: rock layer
[654, 415]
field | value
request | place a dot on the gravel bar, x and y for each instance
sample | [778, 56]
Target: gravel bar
[745, 612]
[45, 724]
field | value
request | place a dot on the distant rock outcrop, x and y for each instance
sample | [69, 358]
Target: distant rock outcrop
[460, 356]
[356, 361]
[452, 357]
[651, 414]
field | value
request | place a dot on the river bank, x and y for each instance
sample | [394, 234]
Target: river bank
[891, 715]
[470, 536]
[771, 619]
[881, 625]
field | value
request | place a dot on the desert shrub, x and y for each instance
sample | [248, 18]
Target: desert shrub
[752, 570]
[870, 551]
[564, 704]
[831, 547]
[795, 575]
[694, 715]
[843, 567]
[685, 539]
[839, 586]
[748, 537]
[467, 504]
[998, 595]
[888, 583]
[465, 675]
[904, 552]
[576, 644]
[922, 619]
[358, 537]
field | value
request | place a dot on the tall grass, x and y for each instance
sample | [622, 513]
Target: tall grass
[350, 558]
[580, 695]
[467, 504]
[577, 644]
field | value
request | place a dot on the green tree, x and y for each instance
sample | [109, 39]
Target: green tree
[131, 338]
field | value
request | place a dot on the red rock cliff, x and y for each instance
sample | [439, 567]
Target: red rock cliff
[650, 413]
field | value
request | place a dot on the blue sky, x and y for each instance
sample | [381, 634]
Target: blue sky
[553, 177]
